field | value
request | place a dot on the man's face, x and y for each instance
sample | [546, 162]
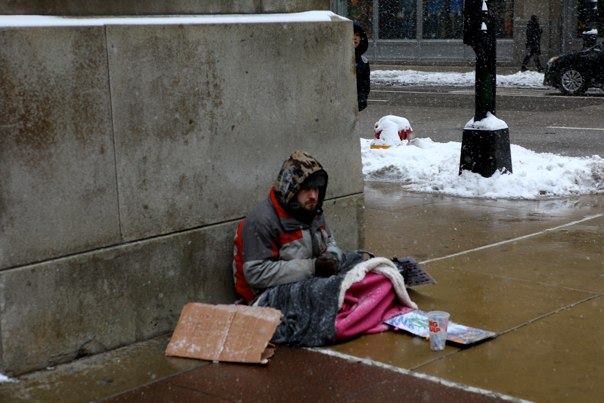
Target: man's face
[308, 197]
[356, 39]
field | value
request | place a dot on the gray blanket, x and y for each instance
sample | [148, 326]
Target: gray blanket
[309, 307]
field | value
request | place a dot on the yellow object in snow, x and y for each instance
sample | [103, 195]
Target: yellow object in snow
[377, 146]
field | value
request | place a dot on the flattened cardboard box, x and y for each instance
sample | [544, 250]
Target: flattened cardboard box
[235, 333]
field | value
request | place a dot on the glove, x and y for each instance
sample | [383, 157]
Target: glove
[326, 265]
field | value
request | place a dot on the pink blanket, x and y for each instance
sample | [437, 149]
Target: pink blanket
[367, 304]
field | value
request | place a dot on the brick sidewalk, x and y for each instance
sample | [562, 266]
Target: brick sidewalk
[298, 375]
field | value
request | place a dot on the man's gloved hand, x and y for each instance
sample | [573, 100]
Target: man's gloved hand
[326, 265]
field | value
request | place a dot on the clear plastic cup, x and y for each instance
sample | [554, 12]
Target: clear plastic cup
[438, 322]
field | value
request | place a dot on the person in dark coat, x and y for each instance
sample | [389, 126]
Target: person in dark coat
[533, 43]
[362, 65]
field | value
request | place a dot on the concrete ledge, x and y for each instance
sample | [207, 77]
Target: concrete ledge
[141, 7]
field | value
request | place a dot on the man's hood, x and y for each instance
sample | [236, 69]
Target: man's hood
[295, 170]
[364, 45]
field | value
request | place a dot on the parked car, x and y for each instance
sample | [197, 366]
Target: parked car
[574, 73]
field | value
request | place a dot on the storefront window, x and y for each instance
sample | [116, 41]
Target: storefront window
[504, 10]
[586, 14]
[397, 19]
[443, 19]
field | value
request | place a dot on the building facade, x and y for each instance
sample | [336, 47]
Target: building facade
[430, 31]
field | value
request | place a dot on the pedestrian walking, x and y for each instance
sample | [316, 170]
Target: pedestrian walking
[362, 65]
[533, 44]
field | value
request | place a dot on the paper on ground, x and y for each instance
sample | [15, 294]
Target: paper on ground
[416, 322]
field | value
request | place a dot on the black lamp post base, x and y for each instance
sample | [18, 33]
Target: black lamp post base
[485, 151]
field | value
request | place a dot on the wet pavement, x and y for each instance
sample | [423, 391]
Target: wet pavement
[532, 271]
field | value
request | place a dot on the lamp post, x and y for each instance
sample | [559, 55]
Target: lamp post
[485, 146]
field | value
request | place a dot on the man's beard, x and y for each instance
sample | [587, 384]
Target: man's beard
[310, 206]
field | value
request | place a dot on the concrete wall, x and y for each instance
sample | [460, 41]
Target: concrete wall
[128, 154]
[142, 7]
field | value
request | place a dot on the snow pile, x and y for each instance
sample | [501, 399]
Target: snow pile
[491, 122]
[427, 78]
[4, 378]
[432, 167]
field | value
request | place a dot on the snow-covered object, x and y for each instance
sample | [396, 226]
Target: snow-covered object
[391, 131]
[593, 31]
[4, 378]
[491, 122]
[432, 167]
[531, 79]
[55, 21]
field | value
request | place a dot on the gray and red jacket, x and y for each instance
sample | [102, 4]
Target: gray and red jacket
[274, 247]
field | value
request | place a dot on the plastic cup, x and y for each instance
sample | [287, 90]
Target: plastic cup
[438, 322]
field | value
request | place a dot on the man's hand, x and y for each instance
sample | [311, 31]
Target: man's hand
[326, 265]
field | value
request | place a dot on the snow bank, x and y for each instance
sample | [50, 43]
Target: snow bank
[530, 79]
[432, 167]
[53, 21]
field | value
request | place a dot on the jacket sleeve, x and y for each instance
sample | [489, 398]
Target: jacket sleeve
[262, 267]
[363, 84]
[366, 87]
[332, 247]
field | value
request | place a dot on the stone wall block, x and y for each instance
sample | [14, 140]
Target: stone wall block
[204, 115]
[343, 217]
[58, 192]
[59, 310]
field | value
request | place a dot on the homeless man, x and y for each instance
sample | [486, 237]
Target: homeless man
[285, 257]
[285, 239]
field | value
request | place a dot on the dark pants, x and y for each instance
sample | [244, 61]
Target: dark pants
[532, 53]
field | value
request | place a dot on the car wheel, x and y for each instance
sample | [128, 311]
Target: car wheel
[573, 82]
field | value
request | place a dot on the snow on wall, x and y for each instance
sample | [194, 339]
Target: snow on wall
[54, 21]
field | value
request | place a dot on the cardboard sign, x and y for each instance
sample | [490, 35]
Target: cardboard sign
[234, 333]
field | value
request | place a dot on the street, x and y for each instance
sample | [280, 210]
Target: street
[540, 120]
